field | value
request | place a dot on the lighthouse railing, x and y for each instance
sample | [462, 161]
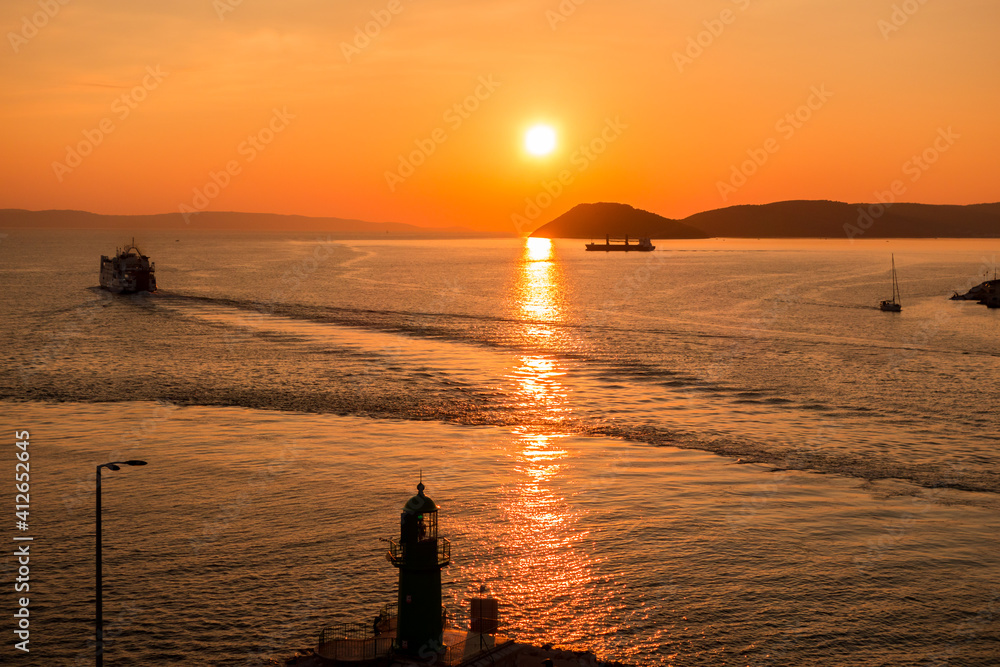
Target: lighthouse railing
[444, 551]
[397, 551]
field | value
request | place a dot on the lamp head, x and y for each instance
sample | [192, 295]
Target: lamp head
[117, 465]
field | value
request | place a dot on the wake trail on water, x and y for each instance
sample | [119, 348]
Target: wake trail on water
[476, 370]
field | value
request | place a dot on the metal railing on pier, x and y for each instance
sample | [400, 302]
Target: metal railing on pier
[355, 642]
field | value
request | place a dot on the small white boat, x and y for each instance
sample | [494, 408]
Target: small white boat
[894, 305]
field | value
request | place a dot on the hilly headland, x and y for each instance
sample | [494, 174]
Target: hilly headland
[787, 219]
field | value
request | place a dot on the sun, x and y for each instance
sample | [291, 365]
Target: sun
[540, 140]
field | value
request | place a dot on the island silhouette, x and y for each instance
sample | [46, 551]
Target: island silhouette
[787, 219]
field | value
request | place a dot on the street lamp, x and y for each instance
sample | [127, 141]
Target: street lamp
[99, 647]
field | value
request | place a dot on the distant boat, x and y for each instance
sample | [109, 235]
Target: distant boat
[892, 306]
[644, 245]
[128, 271]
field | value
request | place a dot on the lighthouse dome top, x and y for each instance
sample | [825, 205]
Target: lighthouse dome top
[420, 504]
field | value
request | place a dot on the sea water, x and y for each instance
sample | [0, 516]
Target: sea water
[720, 452]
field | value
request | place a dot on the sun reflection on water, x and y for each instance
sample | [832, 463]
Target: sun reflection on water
[539, 286]
[538, 393]
[549, 570]
[547, 574]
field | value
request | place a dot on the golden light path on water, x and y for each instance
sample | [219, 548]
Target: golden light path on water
[550, 577]
[538, 291]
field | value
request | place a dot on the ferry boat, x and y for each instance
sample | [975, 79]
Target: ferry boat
[644, 245]
[128, 271]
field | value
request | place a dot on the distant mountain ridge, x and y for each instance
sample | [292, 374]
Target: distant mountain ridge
[787, 219]
[224, 221]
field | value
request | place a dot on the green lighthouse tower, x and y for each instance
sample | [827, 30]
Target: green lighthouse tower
[419, 554]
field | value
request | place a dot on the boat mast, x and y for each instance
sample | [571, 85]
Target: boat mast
[895, 284]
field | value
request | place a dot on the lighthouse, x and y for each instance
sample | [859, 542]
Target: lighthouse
[419, 554]
[414, 628]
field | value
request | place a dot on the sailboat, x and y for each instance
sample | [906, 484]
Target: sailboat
[892, 306]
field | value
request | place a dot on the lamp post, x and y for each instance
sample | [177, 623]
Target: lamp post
[99, 646]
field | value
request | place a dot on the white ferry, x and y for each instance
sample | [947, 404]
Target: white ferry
[128, 271]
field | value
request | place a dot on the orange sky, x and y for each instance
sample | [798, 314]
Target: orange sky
[200, 77]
